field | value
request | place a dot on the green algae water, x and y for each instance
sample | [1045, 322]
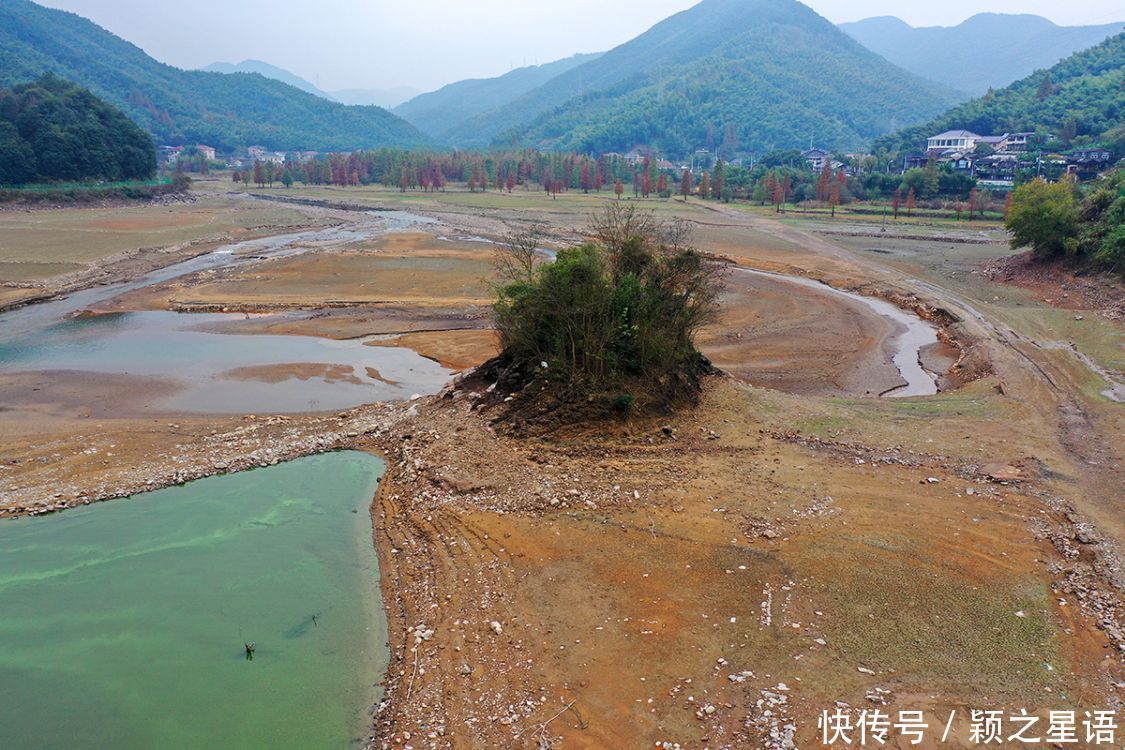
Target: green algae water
[122, 625]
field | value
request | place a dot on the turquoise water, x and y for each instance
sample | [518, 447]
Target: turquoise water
[123, 625]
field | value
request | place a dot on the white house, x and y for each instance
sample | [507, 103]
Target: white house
[962, 140]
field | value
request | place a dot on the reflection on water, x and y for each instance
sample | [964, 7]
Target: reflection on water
[125, 625]
[47, 337]
[167, 344]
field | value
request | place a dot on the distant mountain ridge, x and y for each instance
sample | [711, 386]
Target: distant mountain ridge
[991, 50]
[269, 71]
[179, 106]
[385, 98]
[1085, 92]
[441, 113]
[773, 70]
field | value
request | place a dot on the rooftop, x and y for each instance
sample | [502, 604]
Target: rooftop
[956, 134]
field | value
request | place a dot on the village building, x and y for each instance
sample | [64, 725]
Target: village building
[816, 158]
[963, 140]
[1087, 163]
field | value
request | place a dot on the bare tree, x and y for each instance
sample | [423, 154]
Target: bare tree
[515, 257]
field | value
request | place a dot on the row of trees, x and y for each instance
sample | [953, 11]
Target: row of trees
[555, 172]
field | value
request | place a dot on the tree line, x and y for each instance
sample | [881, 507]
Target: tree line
[558, 172]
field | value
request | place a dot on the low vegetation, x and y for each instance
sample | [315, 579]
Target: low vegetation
[609, 327]
[1056, 220]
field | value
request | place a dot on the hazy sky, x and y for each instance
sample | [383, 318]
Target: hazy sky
[425, 44]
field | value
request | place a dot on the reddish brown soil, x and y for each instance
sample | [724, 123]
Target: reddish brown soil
[1060, 284]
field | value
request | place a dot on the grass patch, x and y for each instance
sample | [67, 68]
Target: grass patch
[948, 633]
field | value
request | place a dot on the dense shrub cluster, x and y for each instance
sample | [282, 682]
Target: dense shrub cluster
[1055, 220]
[612, 321]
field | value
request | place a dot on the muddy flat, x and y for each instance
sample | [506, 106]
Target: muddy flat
[792, 542]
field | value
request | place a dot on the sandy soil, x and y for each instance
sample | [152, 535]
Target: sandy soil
[27, 396]
[54, 251]
[787, 337]
[637, 580]
[768, 554]
[436, 290]
[298, 370]
[399, 270]
[455, 350]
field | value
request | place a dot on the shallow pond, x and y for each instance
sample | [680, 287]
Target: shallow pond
[179, 348]
[123, 625]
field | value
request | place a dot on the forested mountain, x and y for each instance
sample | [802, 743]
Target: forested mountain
[180, 106]
[53, 130]
[1084, 95]
[441, 113]
[269, 71]
[991, 49]
[765, 73]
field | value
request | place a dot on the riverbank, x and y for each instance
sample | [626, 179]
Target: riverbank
[611, 555]
[647, 585]
[653, 582]
[50, 252]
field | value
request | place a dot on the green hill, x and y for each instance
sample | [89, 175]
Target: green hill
[991, 49]
[53, 130]
[773, 70]
[441, 113]
[180, 106]
[269, 71]
[1087, 88]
